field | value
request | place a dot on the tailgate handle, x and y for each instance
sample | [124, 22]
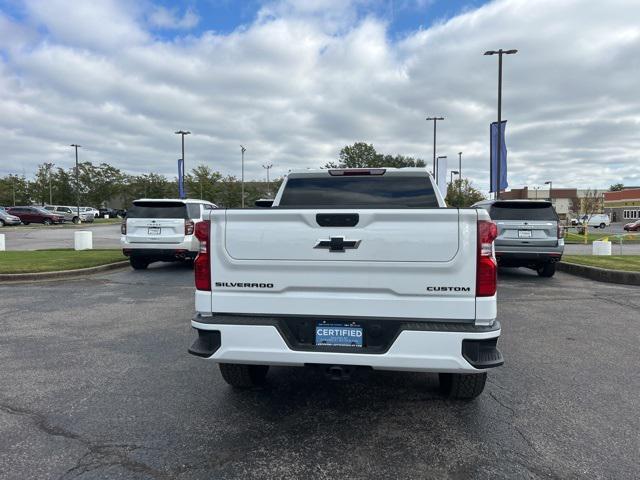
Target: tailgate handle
[337, 219]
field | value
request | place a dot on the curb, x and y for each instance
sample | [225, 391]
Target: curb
[21, 277]
[600, 274]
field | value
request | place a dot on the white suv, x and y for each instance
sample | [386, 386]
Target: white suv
[161, 229]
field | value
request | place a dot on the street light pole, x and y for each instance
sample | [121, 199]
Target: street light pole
[77, 181]
[499, 147]
[460, 172]
[435, 119]
[49, 167]
[550, 183]
[242, 150]
[268, 167]
[453, 172]
[183, 133]
[437, 168]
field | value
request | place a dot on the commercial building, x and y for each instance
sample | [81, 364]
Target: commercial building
[623, 205]
[568, 202]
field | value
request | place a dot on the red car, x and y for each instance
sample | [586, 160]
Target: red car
[35, 215]
[632, 226]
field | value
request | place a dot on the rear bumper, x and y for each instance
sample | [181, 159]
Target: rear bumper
[526, 256]
[413, 346]
[162, 254]
[161, 251]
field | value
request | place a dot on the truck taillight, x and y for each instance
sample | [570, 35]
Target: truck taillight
[487, 270]
[560, 231]
[123, 227]
[188, 227]
[202, 263]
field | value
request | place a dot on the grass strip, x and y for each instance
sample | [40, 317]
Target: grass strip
[627, 263]
[56, 259]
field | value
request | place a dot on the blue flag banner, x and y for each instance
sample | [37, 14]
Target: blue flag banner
[181, 178]
[495, 131]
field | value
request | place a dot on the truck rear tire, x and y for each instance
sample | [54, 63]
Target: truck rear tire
[462, 386]
[138, 263]
[243, 376]
[546, 269]
[603, 225]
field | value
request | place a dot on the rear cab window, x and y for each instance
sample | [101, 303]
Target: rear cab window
[523, 211]
[164, 210]
[363, 191]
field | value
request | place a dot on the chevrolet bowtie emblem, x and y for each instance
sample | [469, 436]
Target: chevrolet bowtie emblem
[337, 244]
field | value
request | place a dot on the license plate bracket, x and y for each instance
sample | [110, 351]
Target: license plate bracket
[339, 335]
[154, 230]
[524, 233]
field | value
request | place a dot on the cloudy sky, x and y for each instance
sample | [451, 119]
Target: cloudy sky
[294, 81]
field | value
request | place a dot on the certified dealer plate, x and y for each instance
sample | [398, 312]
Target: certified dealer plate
[338, 335]
[524, 233]
[154, 230]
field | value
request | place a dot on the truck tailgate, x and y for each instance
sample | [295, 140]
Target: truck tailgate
[395, 263]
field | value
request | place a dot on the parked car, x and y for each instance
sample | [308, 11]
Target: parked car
[94, 211]
[597, 220]
[632, 226]
[71, 213]
[113, 213]
[7, 219]
[529, 234]
[162, 230]
[351, 268]
[35, 215]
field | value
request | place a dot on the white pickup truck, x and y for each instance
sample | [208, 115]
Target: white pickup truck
[349, 268]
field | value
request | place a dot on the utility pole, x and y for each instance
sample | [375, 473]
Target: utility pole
[267, 167]
[435, 119]
[499, 147]
[183, 133]
[76, 146]
[453, 172]
[242, 150]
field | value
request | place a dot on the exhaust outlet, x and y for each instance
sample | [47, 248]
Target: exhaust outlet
[338, 372]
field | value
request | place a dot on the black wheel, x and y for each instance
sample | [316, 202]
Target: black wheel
[75, 220]
[546, 269]
[1, 223]
[243, 376]
[25, 223]
[602, 225]
[139, 263]
[46, 221]
[462, 386]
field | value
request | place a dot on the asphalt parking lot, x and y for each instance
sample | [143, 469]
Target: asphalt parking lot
[37, 237]
[97, 383]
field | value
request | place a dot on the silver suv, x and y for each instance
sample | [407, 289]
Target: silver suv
[71, 213]
[529, 234]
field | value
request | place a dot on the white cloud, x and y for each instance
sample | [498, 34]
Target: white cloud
[307, 78]
[163, 17]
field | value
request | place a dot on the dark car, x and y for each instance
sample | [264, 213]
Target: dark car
[35, 215]
[632, 226]
[112, 212]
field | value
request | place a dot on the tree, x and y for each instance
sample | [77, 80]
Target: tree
[363, 155]
[14, 190]
[203, 182]
[462, 194]
[616, 187]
